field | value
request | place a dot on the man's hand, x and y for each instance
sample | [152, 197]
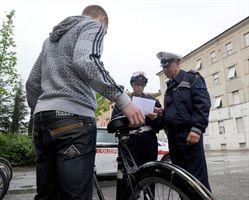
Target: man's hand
[152, 116]
[134, 115]
[159, 111]
[193, 138]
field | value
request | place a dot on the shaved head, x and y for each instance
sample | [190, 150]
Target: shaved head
[95, 12]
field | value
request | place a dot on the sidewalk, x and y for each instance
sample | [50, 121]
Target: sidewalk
[228, 173]
[23, 181]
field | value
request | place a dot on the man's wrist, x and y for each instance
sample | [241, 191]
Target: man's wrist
[122, 101]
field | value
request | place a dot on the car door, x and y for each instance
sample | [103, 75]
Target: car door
[106, 153]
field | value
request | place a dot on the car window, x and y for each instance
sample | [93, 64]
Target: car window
[105, 137]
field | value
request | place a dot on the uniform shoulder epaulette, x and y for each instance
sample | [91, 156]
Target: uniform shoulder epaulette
[193, 72]
[194, 75]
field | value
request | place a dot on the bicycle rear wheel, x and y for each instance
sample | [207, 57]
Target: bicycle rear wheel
[4, 184]
[6, 166]
[165, 181]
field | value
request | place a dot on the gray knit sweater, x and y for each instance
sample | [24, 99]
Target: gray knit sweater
[68, 70]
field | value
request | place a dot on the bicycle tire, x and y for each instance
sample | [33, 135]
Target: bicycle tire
[4, 184]
[183, 183]
[5, 164]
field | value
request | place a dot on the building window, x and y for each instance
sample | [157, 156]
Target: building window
[221, 127]
[236, 98]
[223, 146]
[232, 72]
[207, 146]
[248, 63]
[240, 124]
[213, 57]
[218, 102]
[229, 48]
[242, 145]
[198, 64]
[216, 79]
[246, 37]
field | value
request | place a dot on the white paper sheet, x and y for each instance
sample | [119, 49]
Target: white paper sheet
[145, 105]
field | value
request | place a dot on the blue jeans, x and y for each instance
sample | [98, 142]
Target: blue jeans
[65, 151]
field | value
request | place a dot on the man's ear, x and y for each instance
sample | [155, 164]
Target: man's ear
[102, 20]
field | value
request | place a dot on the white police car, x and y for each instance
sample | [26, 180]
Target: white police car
[107, 152]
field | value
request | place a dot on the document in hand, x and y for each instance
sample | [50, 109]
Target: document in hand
[145, 105]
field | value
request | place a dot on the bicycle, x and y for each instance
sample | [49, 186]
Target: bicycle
[5, 176]
[6, 166]
[153, 180]
[4, 183]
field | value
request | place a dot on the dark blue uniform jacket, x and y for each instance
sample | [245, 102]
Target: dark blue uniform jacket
[187, 101]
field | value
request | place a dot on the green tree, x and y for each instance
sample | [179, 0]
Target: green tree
[5, 113]
[8, 75]
[103, 105]
[19, 122]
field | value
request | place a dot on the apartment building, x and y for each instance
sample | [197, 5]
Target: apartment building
[224, 63]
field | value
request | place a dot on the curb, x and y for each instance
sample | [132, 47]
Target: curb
[22, 191]
[103, 184]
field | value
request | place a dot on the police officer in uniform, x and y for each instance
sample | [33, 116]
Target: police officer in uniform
[142, 145]
[185, 116]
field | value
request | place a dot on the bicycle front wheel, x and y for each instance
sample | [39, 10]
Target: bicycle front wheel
[167, 182]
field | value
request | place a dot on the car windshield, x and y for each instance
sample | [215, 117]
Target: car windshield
[104, 137]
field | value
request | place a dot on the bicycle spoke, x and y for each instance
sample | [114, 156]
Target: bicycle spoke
[150, 193]
[159, 191]
[171, 179]
[1, 186]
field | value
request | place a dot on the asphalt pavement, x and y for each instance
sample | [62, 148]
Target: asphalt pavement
[228, 174]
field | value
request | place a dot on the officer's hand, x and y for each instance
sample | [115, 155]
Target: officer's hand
[135, 116]
[193, 138]
[152, 116]
[159, 111]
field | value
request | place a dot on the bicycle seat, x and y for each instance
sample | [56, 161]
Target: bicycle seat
[120, 123]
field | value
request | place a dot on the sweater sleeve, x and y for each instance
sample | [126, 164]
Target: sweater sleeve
[86, 59]
[33, 84]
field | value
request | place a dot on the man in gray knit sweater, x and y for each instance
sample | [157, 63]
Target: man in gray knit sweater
[60, 93]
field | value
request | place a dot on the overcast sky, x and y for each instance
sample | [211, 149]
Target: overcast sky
[138, 29]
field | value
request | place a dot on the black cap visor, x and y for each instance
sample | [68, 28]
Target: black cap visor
[166, 63]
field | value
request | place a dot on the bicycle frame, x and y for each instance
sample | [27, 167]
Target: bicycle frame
[126, 167]
[97, 186]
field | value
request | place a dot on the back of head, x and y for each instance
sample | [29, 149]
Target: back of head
[95, 12]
